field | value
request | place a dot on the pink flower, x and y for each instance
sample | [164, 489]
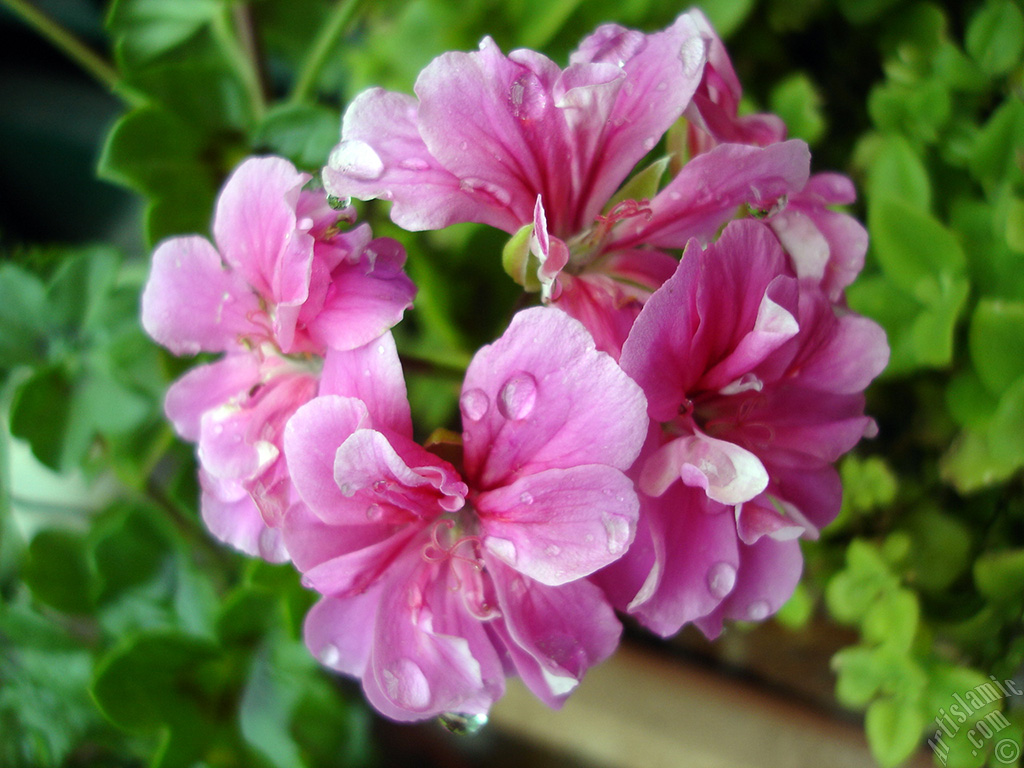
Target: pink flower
[282, 285]
[438, 582]
[516, 142]
[753, 381]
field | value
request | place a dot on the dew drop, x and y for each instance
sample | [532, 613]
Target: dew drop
[306, 581]
[357, 159]
[649, 143]
[758, 610]
[330, 655]
[617, 532]
[517, 397]
[479, 186]
[464, 145]
[721, 579]
[346, 489]
[662, 86]
[374, 512]
[552, 550]
[526, 498]
[462, 724]
[414, 164]
[474, 404]
[379, 486]
[406, 685]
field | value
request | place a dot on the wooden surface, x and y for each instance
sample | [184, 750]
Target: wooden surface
[642, 710]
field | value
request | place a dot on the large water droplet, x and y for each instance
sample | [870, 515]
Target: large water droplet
[357, 159]
[616, 530]
[758, 610]
[721, 579]
[480, 186]
[518, 396]
[330, 655]
[406, 685]
[527, 97]
[474, 404]
[414, 164]
[461, 724]
[374, 512]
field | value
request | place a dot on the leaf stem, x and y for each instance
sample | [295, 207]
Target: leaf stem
[233, 31]
[320, 51]
[76, 50]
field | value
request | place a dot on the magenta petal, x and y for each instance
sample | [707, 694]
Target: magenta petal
[206, 387]
[430, 655]
[759, 517]
[256, 229]
[382, 155]
[365, 298]
[353, 572]
[543, 397]
[191, 303]
[231, 516]
[558, 525]
[371, 373]
[696, 562]
[555, 634]
[311, 441]
[854, 355]
[726, 472]
[312, 542]
[709, 188]
[339, 631]
[768, 573]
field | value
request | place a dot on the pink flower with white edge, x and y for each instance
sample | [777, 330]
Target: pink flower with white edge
[439, 581]
[518, 143]
[754, 383]
[282, 285]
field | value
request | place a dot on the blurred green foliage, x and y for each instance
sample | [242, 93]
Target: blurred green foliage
[128, 637]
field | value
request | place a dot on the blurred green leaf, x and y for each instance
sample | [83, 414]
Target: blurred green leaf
[853, 591]
[997, 343]
[304, 133]
[23, 317]
[40, 415]
[145, 29]
[1000, 575]
[892, 619]
[60, 572]
[996, 156]
[798, 102]
[995, 36]
[912, 246]
[896, 171]
[894, 727]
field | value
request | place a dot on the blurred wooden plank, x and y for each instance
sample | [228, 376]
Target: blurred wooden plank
[639, 710]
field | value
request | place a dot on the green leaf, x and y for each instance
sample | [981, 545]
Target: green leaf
[970, 464]
[851, 592]
[275, 684]
[997, 343]
[912, 246]
[1015, 225]
[727, 15]
[919, 110]
[1000, 575]
[941, 551]
[145, 29]
[643, 186]
[995, 36]
[969, 402]
[896, 171]
[892, 620]
[860, 673]
[1006, 430]
[40, 413]
[304, 133]
[23, 317]
[797, 101]
[894, 727]
[517, 260]
[60, 572]
[80, 289]
[996, 155]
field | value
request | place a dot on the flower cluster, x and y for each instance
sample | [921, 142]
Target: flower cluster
[652, 440]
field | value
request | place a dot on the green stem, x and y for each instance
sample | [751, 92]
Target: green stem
[339, 19]
[237, 44]
[75, 50]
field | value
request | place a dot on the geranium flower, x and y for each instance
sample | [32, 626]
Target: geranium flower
[517, 143]
[753, 379]
[439, 581]
[282, 285]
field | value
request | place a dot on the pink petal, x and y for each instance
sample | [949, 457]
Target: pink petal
[852, 357]
[760, 517]
[311, 441]
[371, 373]
[543, 397]
[707, 191]
[726, 472]
[559, 525]
[206, 387]
[554, 634]
[365, 297]
[191, 303]
[312, 542]
[339, 631]
[232, 517]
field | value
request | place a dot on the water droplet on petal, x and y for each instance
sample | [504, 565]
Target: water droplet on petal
[479, 186]
[758, 610]
[721, 579]
[374, 512]
[502, 548]
[649, 143]
[662, 86]
[552, 550]
[346, 489]
[518, 396]
[461, 724]
[406, 685]
[414, 164]
[474, 404]
[357, 159]
[526, 498]
[463, 145]
[616, 529]
[330, 655]
[379, 486]
[306, 582]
